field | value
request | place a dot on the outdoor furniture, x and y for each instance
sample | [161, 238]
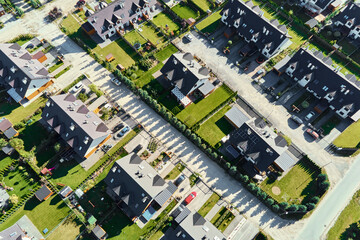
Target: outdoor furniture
[109, 57]
[120, 67]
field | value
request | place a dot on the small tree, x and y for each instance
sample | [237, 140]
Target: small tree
[245, 178]
[193, 137]
[292, 208]
[233, 170]
[209, 151]
[269, 201]
[283, 205]
[322, 177]
[276, 208]
[227, 165]
[182, 127]
[188, 132]
[262, 195]
[310, 206]
[324, 186]
[14, 199]
[198, 141]
[214, 155]
[251, 186]
[57, 147]
[315, 200]
[3, 142]
[203, 146]
[17, 144]
[302, 208]
[168, 116]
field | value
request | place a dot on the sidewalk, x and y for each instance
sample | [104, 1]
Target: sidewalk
[221, 203]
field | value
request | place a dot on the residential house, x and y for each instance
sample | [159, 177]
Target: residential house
[65, 192]
[192, 226]
[255, 142]
[80, 128]
[315, 7]
[117, 16]
[348, 20]
[137, 188]
[24, 77]
[315, 73]
[15, 232]
[43, 193]
[185, 76]
[247, 20]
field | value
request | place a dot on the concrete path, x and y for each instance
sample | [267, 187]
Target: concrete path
[215, 209]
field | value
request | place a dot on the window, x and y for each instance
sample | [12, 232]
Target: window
[80, 148]
[47, 114]
[112, 180]
[67, 134]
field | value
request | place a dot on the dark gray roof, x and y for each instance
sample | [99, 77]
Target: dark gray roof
[113, 11]
[322, 4]
[99, 232]
[182, 73]
[325, 79]
[286, 161]
[137, 184]
[251, 23]
[236, 116]
[81, 129]
[350, 13]
[181, 213]
[43, 192]
[19, 71]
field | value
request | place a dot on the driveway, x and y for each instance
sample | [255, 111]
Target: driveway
[277, 114]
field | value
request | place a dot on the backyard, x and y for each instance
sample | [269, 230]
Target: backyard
[210, 24]
[222, 219]
[184, 11]
[149, 32]
[209, 204]
[47, 214]
[7, 160]
[69, 229]
[134, 37]
[216, 127]
[348, 216]
[298, 184]
[203, 4]
[163, 20]
[174, 173]
[166, 52]
[198, 110]
[350, 138]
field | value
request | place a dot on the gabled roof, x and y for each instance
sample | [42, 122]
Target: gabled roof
[43, 193]
[5, 124]
[182, 71]
[252, 22]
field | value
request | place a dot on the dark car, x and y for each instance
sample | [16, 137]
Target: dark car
[118, 127]
[138, 148]
[83, 91]
[296, 119]
[179, 180]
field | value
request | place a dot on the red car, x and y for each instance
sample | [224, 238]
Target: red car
[312, 133]
[190, 198]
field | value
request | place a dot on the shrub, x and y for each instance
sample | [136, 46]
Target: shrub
[57, 147]
[95, 90]
[168, 116]
[227, 165]
[178, 125]
[82, 96]
[324, 186]
[276, 208]
[198, 141]
[262, 195]
[21, 168]
[233, 170]
[302, 208]
[203, 146]
[193, 137]
[283, 205]
[251, 186]
[315, 200]
[19, 125]
[209, 151]
[292, 208]
[133, 76]
[214, 155]
[322, 177]
[145, 64]
[187, 132]
[269, 201]
[182, 127]
[310, 206]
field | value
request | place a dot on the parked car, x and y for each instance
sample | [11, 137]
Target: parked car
[189, 37]
[189, 198]
[314, 134]
[179, 180]
[138, 148]
[83, 91]
[296, 120]
[309, 116]
[123, 131]
[115, 81]
[77, 87]
[118, 127]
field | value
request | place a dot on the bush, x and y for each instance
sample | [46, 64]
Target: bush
[245, 178]
[182, 127]
[145, 63]
[310, 206]
[269, 202]
[214, 155]
[168, 116]
[227, 165]
[57, 147]
[96, 90]
[83, 97]
[133, 76]
[315, 200]
[251, 186]
[233, 170]
[262, 195]
[302, 208]
[283, 205]
[19, 125]
[209, 151]
[276, 208]
[292, 208]
[193, 137]
[324, 186]
[203, 146]
[322, 177]
[188, 132]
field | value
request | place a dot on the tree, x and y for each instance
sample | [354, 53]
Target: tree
[178, 125]
[292, 208]
[233, 170]
[283, 205]
[182, 127]
[262, 195]
[17, 143]
[324, 186]
[203, 146]
[198, 141]
[174, 120]
[14, 199]
[214, 155]
[57, 147]
[322, 177]
[188, 132]
[315, 200]
[302, 208]
[3, 142]
[168, 116]
[209, 151]
[193, 137]
[310, 206]
[276, 208]
[269, 201]
[245, 178]
[228, 165]
[251, 186]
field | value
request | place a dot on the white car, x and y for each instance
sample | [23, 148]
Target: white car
[115, 81]
[77, 87]
[309, 116]
[189, 37]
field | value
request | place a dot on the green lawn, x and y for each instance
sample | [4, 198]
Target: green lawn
[69, 229]
[226, 222]
[33, 134]
[184, 11]
[209, 204]
[299, 183]
[348, 216]
[163, 20]
[330, 124]
[216, 127]
[166, 52]
[62, 72]
[149, 33]
[350, 138]
[210, 24]
[6, 160]
[15, 113]
[203, 4]
[147, 77]
[55, 66]
[174, 173]
[70, 24]
[170, 103]
[72, 174]
[218, 215]
[196, 111]
[47, 214]
[19, 182]
[134, 37]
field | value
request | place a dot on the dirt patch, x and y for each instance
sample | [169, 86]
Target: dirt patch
[276, 190]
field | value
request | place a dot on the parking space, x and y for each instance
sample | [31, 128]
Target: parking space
[203, 193]
[142, 139]
[127, 119]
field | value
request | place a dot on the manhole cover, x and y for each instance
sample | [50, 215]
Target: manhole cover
[276, 190]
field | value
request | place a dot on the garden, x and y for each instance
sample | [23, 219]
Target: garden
[209, 204]
[350, 138]
[175, 172]
[198, 110]
[222, 219]
[210, 24]
[164, 21]
[184, 11]
[204, 5]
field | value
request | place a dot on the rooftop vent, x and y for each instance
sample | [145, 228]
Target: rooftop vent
[95, 123]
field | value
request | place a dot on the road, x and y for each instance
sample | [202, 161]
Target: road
[211, 173]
